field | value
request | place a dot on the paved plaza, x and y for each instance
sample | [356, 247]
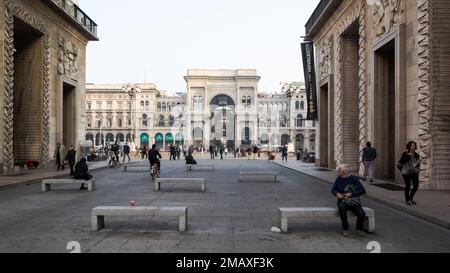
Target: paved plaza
[230, 216]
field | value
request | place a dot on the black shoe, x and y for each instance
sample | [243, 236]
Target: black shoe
[409, 203]
[413, 202]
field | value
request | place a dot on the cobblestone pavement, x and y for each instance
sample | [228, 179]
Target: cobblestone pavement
[230, 216]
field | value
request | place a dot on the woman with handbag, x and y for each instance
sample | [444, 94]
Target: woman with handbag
[409, 165]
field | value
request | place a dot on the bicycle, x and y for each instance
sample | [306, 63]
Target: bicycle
[155, 171]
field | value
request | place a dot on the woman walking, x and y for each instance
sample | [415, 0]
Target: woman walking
[409, 165]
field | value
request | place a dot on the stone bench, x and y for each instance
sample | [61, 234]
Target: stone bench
[47, 182]
[253, 174]
[137, 168]
[99, 213]
[159, 181]
[285, 213]
[203, 165]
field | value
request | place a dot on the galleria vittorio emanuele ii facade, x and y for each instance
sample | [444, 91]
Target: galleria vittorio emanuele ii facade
[219, 107]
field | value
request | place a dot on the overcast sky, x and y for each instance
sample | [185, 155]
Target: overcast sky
[158, 41]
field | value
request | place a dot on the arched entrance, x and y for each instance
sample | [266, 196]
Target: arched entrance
[144, 139]
[285, 139]
[299, 142]
[223, 116]
[179, 139]
[89, 136]
[169, 140]
[120, 137]
[109, 139]
[99, 140]
[159, 141]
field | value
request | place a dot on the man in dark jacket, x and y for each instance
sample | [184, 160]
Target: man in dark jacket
[348, 190]
[368, 158]
[153, 156]
[82, 172]
[71, 159]
[126, 152]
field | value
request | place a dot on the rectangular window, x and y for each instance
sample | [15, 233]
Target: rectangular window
[88, 105]
[109, 105]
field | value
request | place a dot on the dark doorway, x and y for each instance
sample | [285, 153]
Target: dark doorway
[28, 86]
[385, 80]
[326, 124]
[69, 115]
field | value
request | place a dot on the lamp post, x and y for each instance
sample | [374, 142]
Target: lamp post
[131, 91]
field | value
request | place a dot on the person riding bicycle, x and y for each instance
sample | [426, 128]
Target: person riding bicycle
[154, 156]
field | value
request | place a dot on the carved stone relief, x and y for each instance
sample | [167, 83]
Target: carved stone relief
[325, 58]
[67, 58]
[387, 14]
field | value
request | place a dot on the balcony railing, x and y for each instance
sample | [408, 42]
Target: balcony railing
[320, 13]
[76, 13]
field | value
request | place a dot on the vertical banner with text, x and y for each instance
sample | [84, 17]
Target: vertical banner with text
[310, 79]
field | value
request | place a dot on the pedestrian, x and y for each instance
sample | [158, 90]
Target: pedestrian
[112, 158]
[190, 160]
[179, 151]
[191, 150]
[211, 151]
[59, 156]
[126, 152]
[82, 172]
[255, 151]
[222, 150]
[409, 165]
[348, 190]
[71, 159]
[249, 153]
[368, 158]
[284, 153]
[116, 151]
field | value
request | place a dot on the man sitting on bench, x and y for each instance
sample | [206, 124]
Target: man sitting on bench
[348, 190]
[190, 160]
[82, 172]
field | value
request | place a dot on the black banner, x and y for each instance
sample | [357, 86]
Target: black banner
[310, 79]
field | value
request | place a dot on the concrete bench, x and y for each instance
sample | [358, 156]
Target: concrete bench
[159, 181]
[244, 175]
[99, 213]
[47, 182]
[137, 168]
[201, 166]
[285, 213]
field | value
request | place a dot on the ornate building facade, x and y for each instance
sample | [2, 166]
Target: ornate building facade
[383, 71]
[43, 78]
[220, 106]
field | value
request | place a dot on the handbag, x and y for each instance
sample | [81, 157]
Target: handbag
[352, 201]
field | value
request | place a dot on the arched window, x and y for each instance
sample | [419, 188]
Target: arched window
[159, 107]
[144, 120]
[161, 121]
[283, 121]
[300, 121]
[171, 120]
[147, 106]
[119, 123]
[198, 103]
[164, 107]
[297, 105]
[142, 105]
[302, 105]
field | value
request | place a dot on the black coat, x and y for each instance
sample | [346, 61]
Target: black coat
[81, 170]
[70, 157]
